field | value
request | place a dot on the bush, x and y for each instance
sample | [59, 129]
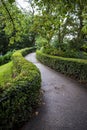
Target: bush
[68, 53]
[52, 51]
[22, 94]
[40, 42]
[5, 74]
[28, 50]
[6, 58]
[84, 47]
[75, 54]
[69, 66]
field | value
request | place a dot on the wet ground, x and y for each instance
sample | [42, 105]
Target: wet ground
[64, 104]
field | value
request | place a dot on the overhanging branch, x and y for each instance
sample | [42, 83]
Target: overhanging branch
[3, 3]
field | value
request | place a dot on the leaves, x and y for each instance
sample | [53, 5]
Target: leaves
[11, 1]
[22, 24]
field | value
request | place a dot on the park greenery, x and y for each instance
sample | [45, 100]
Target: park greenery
[5, 73]
[60, 25]
[58, 29]
[19, 96]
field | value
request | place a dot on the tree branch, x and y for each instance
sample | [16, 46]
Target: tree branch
[3, 3]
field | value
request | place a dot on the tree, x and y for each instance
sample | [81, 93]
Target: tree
[21, 36]
[67, 18]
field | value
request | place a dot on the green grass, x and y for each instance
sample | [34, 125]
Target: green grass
[5, 73]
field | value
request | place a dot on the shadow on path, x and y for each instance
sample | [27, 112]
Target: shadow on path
[64, 102]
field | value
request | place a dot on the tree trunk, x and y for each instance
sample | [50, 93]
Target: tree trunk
[80, 33]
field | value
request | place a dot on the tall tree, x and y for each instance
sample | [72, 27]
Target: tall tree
[67, 18]
[21, 36]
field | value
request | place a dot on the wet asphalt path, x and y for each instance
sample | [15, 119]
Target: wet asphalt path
[64, 104]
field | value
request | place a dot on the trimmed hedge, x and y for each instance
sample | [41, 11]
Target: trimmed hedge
[7, 57]
[76, 68]
[28, 50]
[21, 97]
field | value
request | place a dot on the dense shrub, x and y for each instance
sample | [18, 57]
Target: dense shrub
[75, 54]
[22, 94]
[70, 66]
[84, 48]
[28, 50]
[6, 58]
[52, 51]
[40, 42]
[67, 53]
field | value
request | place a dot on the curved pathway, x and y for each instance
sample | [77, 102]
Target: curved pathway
[64, 104]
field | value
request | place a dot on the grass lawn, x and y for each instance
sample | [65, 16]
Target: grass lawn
[5, 73]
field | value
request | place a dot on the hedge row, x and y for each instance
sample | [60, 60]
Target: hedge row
[28, 50]
[20, 98]
[7, 57]
[76, 68]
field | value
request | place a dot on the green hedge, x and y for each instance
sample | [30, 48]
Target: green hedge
[76, 68]
[20, 98]
[28, 50]
[7, 57]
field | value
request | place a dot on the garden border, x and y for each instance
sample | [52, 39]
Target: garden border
[76, 68]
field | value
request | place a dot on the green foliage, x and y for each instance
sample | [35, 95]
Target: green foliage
[75, 54]
[5, 74]
[63, 19]
[84, 47]
[41, 42]
[64, 51]
[52, 51]
[22, 94]
[76, 68]
[5, 58]
[18, 37]
[50, 21]
[73, 44]
[11, 1]
[3, 37]
[28, 50]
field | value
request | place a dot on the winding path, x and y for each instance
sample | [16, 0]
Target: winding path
[64, 102]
